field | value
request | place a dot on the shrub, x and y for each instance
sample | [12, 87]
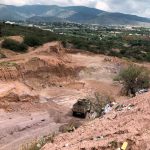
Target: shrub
[32, 41]
[38, 144]
[100, 101]
[14, 45]
[97, 104]
[70, 126]
[134, 78]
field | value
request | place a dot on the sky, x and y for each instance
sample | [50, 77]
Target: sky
[136, 7]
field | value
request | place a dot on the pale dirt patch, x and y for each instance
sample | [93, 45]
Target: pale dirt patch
[16, 38]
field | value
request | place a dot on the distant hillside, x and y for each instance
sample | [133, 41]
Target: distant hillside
[78, 14]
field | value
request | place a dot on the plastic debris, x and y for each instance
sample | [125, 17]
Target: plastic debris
[38, 145]
[124, 146]
[141, 91]
[107, 108]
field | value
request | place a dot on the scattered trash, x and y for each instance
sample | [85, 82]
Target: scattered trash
[109, 107]
[141, 91]
[120, 107]
[124, 146]
[124, 107]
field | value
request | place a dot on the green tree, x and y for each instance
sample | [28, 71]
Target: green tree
[32, 41]
[134, 78]
[14, 45]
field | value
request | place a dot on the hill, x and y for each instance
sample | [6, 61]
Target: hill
[77, 14]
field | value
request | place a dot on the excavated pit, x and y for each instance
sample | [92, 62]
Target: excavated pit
[39, 88]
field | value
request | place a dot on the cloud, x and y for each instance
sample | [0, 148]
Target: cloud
[103, 5]
[137, 7]
[49, 2]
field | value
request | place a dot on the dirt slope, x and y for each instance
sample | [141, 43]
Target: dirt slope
[131, 124]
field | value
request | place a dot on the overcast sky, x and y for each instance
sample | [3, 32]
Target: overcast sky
[137, 7]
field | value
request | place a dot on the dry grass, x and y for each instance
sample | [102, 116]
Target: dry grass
[70, 127]
[38, 144]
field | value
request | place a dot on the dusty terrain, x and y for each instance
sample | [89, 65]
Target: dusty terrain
[129, 122]
[38, 89]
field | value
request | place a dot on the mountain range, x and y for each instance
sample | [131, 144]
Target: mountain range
[77, 14]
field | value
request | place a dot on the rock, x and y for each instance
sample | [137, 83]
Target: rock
[66, 145]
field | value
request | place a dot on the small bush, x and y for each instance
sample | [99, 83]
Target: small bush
[70, 127]
[14, 45]
[38, 144]
[134, 78]
[100, 101]
[32, 41]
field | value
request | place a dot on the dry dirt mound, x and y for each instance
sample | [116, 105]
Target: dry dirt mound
[125, 122]
[9, 53]
[45, 65]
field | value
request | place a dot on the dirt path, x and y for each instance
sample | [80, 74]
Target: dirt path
[16, 129]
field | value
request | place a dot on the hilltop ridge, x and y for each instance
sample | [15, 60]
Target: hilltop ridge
[76, 14]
